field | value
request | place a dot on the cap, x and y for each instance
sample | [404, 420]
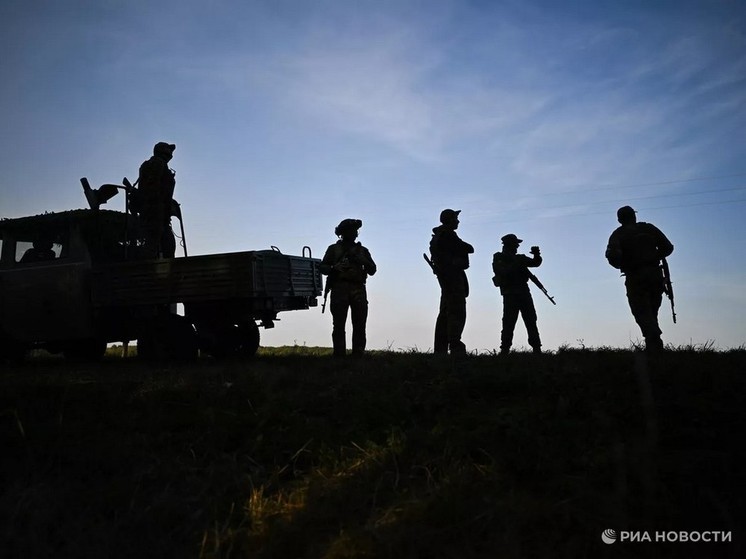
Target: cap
[624, 213]
[511, 239]
[448, 214]
[163, 147]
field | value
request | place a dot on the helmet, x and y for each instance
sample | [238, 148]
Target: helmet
[348, 225]
[511, 239]
[448, 215]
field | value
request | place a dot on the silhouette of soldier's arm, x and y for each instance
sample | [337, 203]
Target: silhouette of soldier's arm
[327, 263]
[665, 247]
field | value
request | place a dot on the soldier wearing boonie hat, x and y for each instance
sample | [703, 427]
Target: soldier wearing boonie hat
[347, 264]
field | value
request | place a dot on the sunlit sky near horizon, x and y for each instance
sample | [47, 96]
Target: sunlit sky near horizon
[538, 118]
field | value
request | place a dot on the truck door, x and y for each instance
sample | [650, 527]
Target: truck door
[45, 300]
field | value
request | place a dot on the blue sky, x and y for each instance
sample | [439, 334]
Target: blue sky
[536, 118]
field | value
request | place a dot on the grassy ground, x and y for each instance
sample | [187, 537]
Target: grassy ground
[403, 455]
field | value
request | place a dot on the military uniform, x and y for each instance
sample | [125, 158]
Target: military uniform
[511, 276]
[450, 259]
[156, 190]
[348, 265]
[636, 248]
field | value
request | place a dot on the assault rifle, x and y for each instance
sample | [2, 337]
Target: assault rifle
[327, 289]
[536, 281]
[668, 286]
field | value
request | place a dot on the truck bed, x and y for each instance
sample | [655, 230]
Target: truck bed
[263, 274]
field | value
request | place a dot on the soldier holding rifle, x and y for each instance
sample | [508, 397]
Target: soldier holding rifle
[157, 184]
[511, 276]
[639, 250]
[347, 264]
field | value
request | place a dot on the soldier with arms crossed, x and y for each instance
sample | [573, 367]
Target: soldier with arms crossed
[450, 260]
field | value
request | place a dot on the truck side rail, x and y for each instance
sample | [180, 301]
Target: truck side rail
[216, 277]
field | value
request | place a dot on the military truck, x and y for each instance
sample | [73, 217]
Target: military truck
[72, 282]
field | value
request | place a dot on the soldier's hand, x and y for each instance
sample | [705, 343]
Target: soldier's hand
[535, 250]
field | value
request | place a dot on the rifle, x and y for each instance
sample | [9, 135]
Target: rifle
[668, 286]
[327, 289]
[534, 279]
[429, 262]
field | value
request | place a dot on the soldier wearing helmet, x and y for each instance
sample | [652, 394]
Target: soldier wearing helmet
[347, 263]
[637, 248]
[156, 190]
[511, 276]
[450, 259]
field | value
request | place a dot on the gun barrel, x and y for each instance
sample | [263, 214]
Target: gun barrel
[538, 284]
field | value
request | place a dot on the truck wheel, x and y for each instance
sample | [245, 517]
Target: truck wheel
[11, 351]
[85, 350]
[170, 337]
[248, 338]
[230, 340]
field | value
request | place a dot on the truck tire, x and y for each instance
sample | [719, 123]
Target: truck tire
[248, 336]
[230, 340]
[168, 338]
[11, 351]
[85, 350]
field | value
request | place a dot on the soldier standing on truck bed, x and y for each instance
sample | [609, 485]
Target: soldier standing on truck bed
[637, 248]
[348, 264]
[156, 191]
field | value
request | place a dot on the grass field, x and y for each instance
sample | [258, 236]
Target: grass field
[404, 455]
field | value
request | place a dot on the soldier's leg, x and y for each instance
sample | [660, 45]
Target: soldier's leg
[510, 316]
[642, 307]
[441, 327]
[528, 312]
[152, 231]
[168, 242]
[359, 315]
[456, 322]
[339, 304]
[654, 341]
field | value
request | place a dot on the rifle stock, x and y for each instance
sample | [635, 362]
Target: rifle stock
[429, 262]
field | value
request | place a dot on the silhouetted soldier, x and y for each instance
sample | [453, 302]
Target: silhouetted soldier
[348, 265]
[637, 249]
[450, 260]
[40, 252]
[511, 276]
[156, 191]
